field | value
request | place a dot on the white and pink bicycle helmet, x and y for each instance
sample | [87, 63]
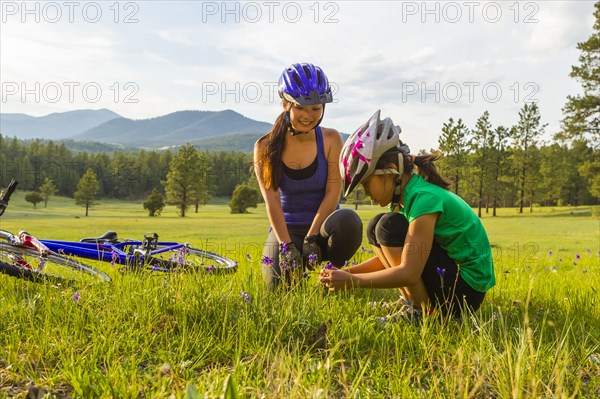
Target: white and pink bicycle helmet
[365, 146]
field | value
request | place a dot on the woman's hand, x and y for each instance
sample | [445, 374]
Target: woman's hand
[337, 280]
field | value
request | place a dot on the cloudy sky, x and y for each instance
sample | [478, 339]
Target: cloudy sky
[419, 62]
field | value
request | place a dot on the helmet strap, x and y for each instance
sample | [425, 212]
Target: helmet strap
[290, 128]
[397, 191]
[295, 132]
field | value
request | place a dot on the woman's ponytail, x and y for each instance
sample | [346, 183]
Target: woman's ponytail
[426, 168]
[269, 163]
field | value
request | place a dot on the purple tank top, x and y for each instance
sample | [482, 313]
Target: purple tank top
[300, 199]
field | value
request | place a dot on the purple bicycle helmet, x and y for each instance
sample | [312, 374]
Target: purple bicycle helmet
[305, 84]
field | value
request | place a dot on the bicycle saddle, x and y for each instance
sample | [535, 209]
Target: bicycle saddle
[109, 236]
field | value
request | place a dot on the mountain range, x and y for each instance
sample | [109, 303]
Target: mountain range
[212, 130]
[55, 126]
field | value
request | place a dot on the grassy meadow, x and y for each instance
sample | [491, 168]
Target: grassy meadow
[155, 335]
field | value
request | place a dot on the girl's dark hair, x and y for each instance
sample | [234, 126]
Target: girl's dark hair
[425, 165]
[269, 163]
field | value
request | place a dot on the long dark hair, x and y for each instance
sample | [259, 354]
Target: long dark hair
[425, 165]
[269, 163]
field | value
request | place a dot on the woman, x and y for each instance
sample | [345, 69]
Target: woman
[431, 245]
[296, 165]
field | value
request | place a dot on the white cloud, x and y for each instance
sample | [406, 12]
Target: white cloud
[558, 26]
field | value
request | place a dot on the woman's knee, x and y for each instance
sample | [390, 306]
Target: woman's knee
[343, 225]
[371, 228]
[342, 220]
[390, 230]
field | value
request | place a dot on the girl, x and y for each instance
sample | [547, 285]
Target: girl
[296, 165]
[431, 245]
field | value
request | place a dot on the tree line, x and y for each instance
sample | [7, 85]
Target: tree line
[502, 166]
[120, 175]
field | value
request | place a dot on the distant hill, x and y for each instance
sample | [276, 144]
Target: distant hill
[243, 142]
[105, 131]
[174, 129]
[54, 126]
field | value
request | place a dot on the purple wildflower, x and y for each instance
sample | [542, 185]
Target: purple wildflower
[284, 247]
[248, 257]
[211, 269]
[440, 271]
[363, 249]
[76, 297]
[266, 260]
[246, 297]
[113, 258]
[304, 275]
[41, 264]
[312, 258]
[550, 252]
[577, 257]
[182, 255]
[329, 266]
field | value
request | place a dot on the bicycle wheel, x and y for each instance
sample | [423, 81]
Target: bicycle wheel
[190, 259]
[23, 262]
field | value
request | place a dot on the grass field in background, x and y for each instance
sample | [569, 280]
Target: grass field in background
[154, 335]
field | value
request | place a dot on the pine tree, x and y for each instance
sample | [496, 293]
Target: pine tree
[582, 112]
[47, 190]
[479, 144]
[525, 136]
[34, 198]
[498, 155]
[243, 197]
[155, 203]
[182, 185]
[87, 189]
[453, 144]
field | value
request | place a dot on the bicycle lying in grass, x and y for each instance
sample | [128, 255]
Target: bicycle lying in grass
[24, 256]
[149, 254]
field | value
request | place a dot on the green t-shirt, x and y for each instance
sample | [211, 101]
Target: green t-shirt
[457, 230]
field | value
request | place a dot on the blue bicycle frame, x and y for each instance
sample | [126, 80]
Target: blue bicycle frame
[107, 252]
[157, 255]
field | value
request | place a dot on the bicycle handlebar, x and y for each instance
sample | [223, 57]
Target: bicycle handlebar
[6, 195]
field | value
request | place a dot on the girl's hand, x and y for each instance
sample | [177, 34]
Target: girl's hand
[337, 280]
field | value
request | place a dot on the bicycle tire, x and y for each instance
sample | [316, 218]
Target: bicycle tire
[52, 267]
[188, 259]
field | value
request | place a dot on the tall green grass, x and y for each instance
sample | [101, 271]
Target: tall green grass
[155, 335]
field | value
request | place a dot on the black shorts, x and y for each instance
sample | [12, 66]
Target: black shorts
[445, 287]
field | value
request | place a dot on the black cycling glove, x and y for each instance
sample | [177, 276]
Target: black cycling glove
[311, 252]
